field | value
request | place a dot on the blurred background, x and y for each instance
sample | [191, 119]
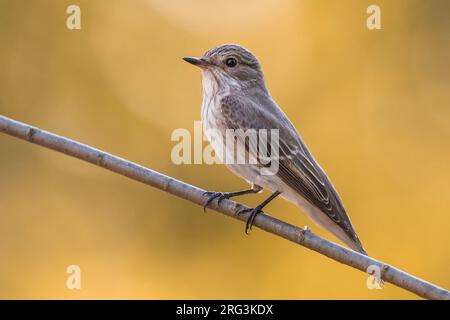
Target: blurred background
[373, 106]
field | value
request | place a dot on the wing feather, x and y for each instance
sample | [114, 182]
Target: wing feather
[297, 167]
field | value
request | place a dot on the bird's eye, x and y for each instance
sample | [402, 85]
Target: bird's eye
[231, 62]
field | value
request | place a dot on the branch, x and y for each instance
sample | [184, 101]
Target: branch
[196, 195]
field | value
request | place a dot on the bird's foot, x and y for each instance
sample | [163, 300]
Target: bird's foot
[216, 195]
[251, 218]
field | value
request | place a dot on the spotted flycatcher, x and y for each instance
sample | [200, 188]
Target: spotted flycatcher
[235, 97]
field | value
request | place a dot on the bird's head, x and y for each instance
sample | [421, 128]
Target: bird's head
[230, 65]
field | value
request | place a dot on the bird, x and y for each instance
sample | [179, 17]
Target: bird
[235, 97]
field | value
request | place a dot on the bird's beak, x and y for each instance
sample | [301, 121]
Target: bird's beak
[199, 62]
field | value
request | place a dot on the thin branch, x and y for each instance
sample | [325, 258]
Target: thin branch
[196, 195]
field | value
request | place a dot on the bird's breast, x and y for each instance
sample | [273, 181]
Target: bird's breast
[211, 114]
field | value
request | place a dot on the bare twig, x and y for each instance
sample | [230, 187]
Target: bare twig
[196, 195]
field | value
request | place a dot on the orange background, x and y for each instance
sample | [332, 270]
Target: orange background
[373, 106]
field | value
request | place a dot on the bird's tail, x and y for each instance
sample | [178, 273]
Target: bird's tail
[349, 238]
[358, 247]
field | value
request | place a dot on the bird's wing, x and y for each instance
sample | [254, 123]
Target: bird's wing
[297, 167]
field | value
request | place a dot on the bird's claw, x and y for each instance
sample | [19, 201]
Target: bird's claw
[215, 195]
[251, 218]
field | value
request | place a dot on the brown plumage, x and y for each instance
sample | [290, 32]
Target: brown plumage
[235, 96]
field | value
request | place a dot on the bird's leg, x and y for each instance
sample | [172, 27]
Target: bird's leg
[254, 211]
[227, 195]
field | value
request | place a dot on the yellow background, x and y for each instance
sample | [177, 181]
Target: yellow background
[373, 106]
